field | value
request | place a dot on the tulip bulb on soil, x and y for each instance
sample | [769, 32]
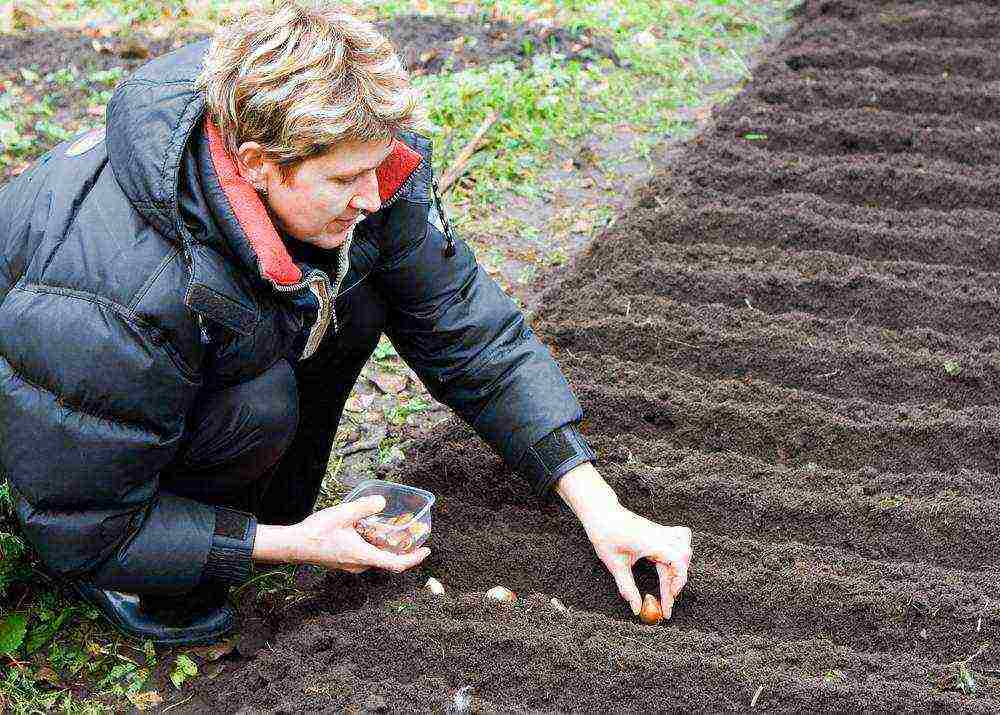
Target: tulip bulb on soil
[501, 593]
[557, 605]
[434, 586]
[651, 613]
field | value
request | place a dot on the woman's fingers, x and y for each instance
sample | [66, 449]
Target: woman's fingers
[389, 561]
[672, 568]
[366, 506]
[667, 593]
[620, 567]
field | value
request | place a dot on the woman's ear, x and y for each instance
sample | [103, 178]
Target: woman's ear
[250, 164]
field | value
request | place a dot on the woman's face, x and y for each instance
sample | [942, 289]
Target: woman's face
[323, 196]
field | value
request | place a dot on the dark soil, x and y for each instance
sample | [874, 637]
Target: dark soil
[427, 44]
[759, 346]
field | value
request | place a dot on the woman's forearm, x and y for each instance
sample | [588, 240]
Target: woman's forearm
[582, 488]
[585, 492]
[274, 545]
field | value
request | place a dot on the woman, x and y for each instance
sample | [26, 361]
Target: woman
[187, 300]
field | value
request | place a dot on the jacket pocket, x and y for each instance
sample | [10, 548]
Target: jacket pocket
[156, 336]
[159, 338]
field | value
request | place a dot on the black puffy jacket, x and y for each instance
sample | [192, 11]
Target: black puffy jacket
[137, 268]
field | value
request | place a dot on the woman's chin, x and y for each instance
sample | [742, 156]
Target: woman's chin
[330, 241]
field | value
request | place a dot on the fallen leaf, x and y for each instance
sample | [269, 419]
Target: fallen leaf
[215, 651]
[101, 47]
[146, 700]
[581, 226]
[97, 110]
[644, 39]
[568, 165]
[48, 675]
[388, 382]
[24, 15]
[426, 57]
[359, 403]
[101, 25]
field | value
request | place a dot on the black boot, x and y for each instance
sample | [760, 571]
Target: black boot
[200, 617]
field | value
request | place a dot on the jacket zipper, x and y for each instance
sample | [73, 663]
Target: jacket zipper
[343, 265]
[318, 282]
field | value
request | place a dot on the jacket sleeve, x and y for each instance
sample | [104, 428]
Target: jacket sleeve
[89, 420]
[472, 348]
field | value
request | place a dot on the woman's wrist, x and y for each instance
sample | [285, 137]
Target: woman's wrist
[586, 493]
[275, 545]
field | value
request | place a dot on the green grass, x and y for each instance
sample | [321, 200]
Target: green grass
[64, 657]
[552, 103]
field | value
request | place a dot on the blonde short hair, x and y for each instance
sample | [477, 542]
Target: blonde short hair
[299, 78]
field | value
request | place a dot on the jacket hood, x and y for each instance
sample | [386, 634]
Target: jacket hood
[171, 163]
[149, 121]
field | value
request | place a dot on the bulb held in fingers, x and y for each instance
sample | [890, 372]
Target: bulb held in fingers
[651, 613]
[501, 593]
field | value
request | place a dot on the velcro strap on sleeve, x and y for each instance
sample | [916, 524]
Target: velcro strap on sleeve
[554, 455]
[229, 559]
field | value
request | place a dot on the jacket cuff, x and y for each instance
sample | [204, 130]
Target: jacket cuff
[229, 559]
[554, 455]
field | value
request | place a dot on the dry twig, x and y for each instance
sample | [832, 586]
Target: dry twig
[455, 171]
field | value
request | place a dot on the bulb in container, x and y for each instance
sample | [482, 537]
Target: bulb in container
[399, 541]
[418, 529]
[501, 593]
[401, 519]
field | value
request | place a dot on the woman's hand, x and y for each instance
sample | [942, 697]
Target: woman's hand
[621, 537]
[329, 538]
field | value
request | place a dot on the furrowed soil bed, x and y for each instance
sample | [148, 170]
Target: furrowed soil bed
[760, 346]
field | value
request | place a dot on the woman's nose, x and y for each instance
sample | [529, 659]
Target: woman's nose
[368, 199]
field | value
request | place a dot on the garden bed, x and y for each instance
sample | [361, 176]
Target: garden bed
[789, 345]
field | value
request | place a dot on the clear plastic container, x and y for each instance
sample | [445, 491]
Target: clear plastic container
[404, 524]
